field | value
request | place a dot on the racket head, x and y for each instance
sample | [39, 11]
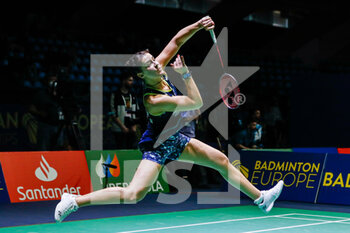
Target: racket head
[229, 91]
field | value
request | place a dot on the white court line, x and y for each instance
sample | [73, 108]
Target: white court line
[306, 219]
[326, 216]
[297, 226]
[343, 222]
[310, 219]
[204, 223]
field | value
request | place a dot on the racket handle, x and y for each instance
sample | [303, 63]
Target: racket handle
[212, 34]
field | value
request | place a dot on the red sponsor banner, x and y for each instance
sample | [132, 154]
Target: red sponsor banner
[344, 150]
[43, 176]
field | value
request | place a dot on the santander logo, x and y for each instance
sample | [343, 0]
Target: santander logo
[45, 172]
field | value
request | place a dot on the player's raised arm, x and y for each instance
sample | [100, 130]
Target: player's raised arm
[157, 104]
[181, 37]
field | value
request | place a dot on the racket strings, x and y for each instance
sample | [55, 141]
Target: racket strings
[229, 90]
[230, 96]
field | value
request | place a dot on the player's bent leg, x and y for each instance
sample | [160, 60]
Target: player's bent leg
[145, 175]
[205, 155]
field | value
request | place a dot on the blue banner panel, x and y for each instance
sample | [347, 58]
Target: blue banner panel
[335, 185]
[301, 172]
[4, 196]
[330, 150]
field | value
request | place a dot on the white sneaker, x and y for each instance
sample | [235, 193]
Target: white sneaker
[65, 207]
[268, 198]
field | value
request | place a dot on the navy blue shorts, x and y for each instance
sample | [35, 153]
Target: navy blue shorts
[170, 149]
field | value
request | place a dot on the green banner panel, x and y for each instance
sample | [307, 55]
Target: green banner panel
[125, 162]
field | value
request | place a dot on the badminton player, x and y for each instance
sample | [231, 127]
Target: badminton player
[160, 101]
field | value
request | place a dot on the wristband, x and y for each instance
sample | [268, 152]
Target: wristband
[187, 75]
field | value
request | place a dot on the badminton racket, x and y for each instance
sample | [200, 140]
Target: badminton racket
[229, 89]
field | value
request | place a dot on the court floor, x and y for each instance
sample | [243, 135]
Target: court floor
[221, 220]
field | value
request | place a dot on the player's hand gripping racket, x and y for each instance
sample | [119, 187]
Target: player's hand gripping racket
[229, 89]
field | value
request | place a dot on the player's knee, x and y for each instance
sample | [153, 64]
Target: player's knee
[135, 195]
[222, 162]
